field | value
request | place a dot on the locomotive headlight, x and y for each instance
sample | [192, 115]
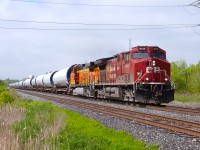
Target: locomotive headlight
[138, 74]
[154, 63]
[147, 79]
[166, 79]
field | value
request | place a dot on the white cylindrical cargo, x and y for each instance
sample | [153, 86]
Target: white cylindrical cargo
[11, 85]
[15, 85]
[60, 78]
[20, 84]
[33, 81]
[48, 79]
[27, 83]
[39, 80]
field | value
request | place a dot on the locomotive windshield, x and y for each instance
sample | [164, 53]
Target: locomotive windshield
[157, 55]
[140, 55]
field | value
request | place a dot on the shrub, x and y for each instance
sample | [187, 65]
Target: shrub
[2, 89]
[2, 83]
[6, 97]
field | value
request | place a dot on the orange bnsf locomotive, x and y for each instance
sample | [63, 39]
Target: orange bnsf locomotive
[141, 74]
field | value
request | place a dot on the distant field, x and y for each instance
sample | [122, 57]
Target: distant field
[40, 125]
[182, 97]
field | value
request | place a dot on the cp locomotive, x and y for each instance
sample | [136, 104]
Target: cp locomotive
[140, 74]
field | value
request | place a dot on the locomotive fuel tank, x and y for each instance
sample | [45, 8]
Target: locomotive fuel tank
[79, 91]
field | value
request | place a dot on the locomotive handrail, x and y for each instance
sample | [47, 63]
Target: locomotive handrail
[142, 76]
[171, 81]
[137, 80]
[169, 78]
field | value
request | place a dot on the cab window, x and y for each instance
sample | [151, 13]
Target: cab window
[139, 55]
[127, 56]
[158, 55]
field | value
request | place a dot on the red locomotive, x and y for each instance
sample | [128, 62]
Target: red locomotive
[140, 74]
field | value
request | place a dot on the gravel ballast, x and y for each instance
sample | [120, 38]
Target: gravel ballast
[152, 135]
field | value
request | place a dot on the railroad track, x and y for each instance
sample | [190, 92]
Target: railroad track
[175, 125]
[173, 109]
[181, 110]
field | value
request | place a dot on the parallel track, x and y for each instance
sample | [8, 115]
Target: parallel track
[180, 110]
[173, 109]
[176, 125]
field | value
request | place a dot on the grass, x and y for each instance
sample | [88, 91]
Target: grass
[83, 133]
[187, 97]
[28, 124]
[40, 125]
[8, 116]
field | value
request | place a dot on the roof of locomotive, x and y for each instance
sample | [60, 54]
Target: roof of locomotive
[144, 49]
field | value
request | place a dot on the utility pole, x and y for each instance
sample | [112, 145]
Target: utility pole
[186, 79]
[130, 43]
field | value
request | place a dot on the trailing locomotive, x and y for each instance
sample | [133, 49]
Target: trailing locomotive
[140, 74]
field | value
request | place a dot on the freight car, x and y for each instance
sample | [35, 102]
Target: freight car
[140, 74]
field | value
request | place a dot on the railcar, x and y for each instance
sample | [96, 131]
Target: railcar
[39, 82]
[60, 80]
[20, 84]
[27, 83]
[33, 84]
[48, 81]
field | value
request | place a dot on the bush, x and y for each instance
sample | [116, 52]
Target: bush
[6, 97]
[2, 89]
[2, 83]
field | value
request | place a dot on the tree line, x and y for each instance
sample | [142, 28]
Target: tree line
[7, 82]
[186, 77]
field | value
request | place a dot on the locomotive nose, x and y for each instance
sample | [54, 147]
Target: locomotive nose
[156, 70]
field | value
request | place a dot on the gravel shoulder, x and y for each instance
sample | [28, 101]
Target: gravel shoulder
[152, 135]
[193, 105]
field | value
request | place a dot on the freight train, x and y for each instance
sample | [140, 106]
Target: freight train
[141, 74]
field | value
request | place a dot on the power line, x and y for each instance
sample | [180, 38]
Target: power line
[98, 5]
[195, 31]
[190, 12]
[92, 24]
[95, 29]
[196, 4]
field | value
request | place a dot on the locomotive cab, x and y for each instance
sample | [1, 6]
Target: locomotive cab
[152, 75]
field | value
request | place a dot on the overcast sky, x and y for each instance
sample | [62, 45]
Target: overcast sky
[25, 52]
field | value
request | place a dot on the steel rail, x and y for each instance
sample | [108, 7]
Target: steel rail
[182, 110]
[174, 109]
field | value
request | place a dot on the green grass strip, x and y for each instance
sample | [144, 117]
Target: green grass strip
[183, 97]
[78, 133]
